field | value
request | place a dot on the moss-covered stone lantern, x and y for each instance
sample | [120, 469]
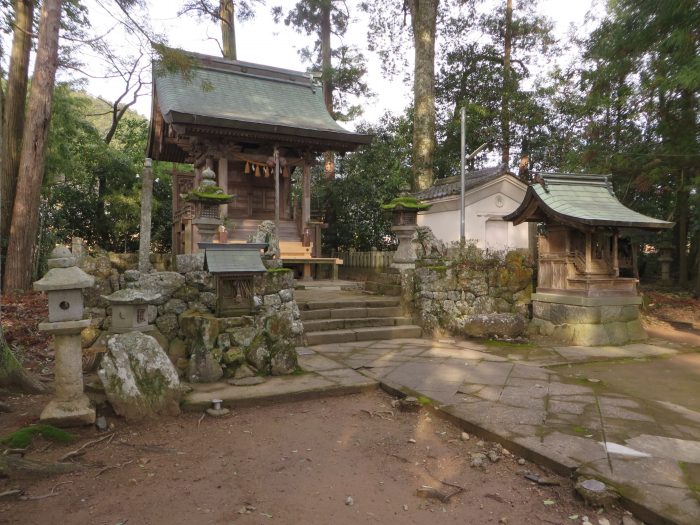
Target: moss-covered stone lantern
[404, 220]
[207, 199]
[63, 284]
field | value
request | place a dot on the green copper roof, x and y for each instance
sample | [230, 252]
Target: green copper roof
[237, 260]
[579, 199]
[240, 95]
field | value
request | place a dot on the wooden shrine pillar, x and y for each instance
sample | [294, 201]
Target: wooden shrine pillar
[615, 260]
[222, 181]
[589, 252]
[305, 194]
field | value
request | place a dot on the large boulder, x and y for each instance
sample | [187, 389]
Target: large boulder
[493, 325]
[138, 377]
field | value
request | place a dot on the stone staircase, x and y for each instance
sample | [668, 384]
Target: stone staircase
[345, 320]
[388, 282]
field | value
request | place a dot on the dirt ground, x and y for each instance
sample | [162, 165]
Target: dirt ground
[337, 460]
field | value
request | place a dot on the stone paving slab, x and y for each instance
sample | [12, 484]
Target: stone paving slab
[550, 405]
[321, 383]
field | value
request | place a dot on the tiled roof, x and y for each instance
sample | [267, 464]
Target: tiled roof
[578, 198]
[442, 188]
[230, 93]
[238, 260]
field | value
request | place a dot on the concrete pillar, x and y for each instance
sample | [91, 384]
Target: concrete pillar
[145, 229]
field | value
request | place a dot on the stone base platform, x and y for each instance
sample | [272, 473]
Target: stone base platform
[587, 321]
[72, 413]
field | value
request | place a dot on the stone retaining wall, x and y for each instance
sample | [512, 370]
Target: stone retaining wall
[184, 318]
[476, 299]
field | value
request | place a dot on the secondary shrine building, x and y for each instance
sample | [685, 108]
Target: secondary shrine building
[584, 295]
[257, 127]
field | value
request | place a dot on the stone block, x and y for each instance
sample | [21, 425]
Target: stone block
[208, 299]
[223, 341]
[196, 326]
[636, 331]
[165, 283]
[201, 280]
[186, 263]
[286, 295]
[203, 367]
[177, 350]
[591, 335]
[168, 325]
[272, 300]
[174, 306]
[187, 293]
[498, 325]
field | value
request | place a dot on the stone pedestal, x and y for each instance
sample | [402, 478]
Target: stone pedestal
[587, 321]
[405, 256]
[207, 228]
[70, 406]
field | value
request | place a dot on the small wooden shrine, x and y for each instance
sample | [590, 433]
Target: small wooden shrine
[253, 125]
[581, 295]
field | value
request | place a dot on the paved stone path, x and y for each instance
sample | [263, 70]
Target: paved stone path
[628, 415]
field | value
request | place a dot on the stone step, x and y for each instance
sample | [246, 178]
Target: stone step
[349, 303]
[363, 334]
[350, 313]
[383, 288]
[323, 325]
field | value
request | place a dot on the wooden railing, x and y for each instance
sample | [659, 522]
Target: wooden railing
[372, 259]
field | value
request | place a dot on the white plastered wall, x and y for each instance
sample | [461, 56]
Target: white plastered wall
[484, 208]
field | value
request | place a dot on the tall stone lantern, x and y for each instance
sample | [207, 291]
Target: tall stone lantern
[63, 284]
[404, 221]
[207, 199]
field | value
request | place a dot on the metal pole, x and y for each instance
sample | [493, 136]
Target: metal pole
[277, 189]
[462, 238]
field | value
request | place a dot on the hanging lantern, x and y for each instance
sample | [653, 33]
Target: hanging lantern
[257, 170]
[267, 172]
[285, 172]
[246, 170]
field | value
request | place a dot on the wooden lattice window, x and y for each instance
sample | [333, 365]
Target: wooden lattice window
[235, 295]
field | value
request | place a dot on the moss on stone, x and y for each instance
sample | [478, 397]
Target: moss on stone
[405, 203]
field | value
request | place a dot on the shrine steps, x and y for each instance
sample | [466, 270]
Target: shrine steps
[350, 320]
[388, 282]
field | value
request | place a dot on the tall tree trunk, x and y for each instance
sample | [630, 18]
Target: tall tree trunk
[326, 66]
[682, 215]
[423, 22]
[25, 212]
[505, 97]
[12, 373]
[13, 118]
[228, 28]
[327, 79]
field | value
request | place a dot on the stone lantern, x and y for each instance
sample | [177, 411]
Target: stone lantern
[207, 199]
[666, 258]
[130, 310]
[63, 284]
[404, 221]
